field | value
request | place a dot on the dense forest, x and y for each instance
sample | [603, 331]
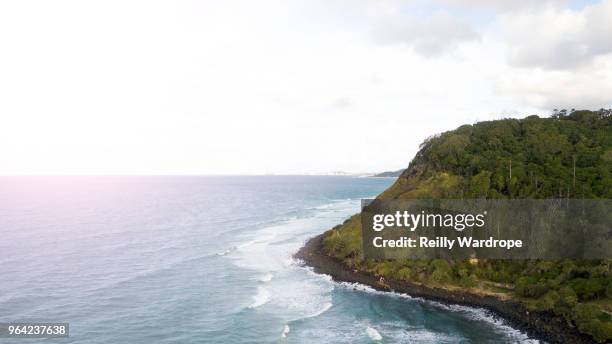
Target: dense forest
[568, 155]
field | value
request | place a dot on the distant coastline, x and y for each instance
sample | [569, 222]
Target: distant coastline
[537, 325]
[389, 174]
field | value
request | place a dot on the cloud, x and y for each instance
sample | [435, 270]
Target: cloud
[435, 35]
[558, 39]
[503, 4]
[342, 103]
[591, 88]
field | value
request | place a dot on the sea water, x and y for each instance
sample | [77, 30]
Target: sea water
[201, 260]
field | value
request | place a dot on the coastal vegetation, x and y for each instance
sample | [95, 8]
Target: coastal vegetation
[567, 155]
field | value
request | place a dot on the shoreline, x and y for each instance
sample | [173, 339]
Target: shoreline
[542, 326]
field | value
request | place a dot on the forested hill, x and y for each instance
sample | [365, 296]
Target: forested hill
[568, 155]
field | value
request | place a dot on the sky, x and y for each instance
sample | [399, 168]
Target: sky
[283, 87]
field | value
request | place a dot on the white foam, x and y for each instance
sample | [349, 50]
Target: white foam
[261, 298]
[301, 298]
[286, 330]
[226, 251]
[364, 288]
[261, 240]
[478, 314]
[324, 309]
[337, 204]
[266, 278]
[310, 271]
[246, 244]
[270, 249]
[373, 334]
[423, 336]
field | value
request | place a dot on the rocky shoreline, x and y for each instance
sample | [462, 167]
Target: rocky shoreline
[542, 326]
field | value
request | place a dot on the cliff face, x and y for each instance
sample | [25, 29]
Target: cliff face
[565, 156]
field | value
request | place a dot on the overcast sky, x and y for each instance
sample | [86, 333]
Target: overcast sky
[249, 87]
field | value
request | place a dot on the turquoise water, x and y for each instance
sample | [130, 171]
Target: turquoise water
[201, 260]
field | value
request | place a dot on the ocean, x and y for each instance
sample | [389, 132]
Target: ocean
[201, 260]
